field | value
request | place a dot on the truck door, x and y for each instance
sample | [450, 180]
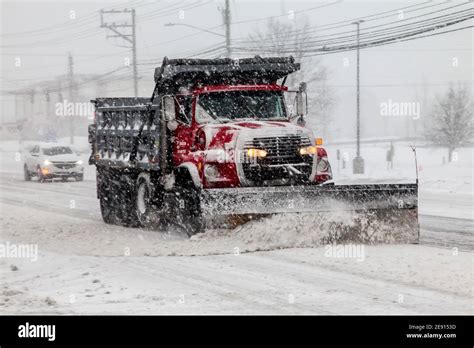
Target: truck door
[184, 133]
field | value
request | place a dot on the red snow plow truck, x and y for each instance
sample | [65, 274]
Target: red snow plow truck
[224, 139]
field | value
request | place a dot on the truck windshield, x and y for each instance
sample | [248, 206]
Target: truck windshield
[57, 150]
[237, 105]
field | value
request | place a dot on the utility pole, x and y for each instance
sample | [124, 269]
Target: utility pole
[358, 162]
[47, 98]
[134, 51]
[129, 38]
[70, 95]
[226, 16]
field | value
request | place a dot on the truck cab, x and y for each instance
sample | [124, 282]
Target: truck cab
[241, 136]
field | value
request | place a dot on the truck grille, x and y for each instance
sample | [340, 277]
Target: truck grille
[64, 165]
[281, 151]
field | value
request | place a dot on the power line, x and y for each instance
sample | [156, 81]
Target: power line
[370, 34]
[393, 41]
[377, 37]
[161, 14]
[89, 17]
[348, 22]
[285, 15]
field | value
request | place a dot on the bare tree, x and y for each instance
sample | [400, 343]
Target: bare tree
[451, 119]
[284, 38]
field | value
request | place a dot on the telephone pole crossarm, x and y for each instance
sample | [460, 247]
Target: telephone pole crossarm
[129, 37]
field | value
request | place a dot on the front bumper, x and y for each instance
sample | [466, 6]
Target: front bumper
[52, 171]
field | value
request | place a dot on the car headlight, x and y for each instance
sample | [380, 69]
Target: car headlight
[79, 162]
[47, 162]
[308, 150]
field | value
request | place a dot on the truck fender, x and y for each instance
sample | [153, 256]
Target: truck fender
[189, 169]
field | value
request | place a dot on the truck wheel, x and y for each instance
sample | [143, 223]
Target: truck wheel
[127, 211]
[26, 173]
[185, 212]
[144, 207]
[107, 197]
[105, 209]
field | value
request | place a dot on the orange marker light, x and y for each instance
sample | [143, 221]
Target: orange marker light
[319, 141]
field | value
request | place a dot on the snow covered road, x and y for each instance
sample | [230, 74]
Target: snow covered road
[291, 281]
[78, 199]
[85, 266]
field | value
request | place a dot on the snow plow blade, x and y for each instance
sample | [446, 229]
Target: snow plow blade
[357, 213]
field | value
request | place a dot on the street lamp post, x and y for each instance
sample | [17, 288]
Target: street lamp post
[358, 162]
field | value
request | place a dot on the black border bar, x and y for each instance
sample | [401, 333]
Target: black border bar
[241, 330]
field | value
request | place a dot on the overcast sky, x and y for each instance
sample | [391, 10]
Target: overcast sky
[41, 33]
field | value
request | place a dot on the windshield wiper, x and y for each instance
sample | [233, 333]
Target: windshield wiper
[251, 111]
[219, 119]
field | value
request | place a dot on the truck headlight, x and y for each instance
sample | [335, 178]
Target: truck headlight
[211, 171]
[308, 150]
[256, 153]
[79, 162]
[47, 162]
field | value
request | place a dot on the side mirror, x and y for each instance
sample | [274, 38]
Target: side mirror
[301, 103]
[301, 100]
[169, 110]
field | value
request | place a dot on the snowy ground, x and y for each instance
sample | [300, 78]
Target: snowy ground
[85, 266]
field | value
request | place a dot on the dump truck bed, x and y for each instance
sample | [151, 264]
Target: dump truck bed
[116, 126]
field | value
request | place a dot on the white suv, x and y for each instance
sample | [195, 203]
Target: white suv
[48, 161]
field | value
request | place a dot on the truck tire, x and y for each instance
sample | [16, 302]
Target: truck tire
[146, 212]
[127, 212]
[107, 197]
[26, 173]
[183, 210]
[106, 209]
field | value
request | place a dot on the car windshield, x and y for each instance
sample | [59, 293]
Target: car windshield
[57, 150]
[237, 105]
